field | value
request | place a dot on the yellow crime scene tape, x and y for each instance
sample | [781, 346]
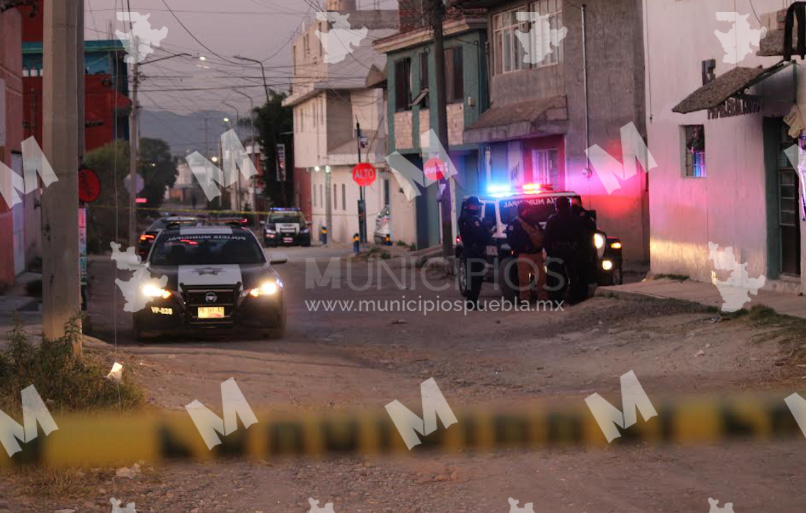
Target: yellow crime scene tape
[92, 441]
[191, 212]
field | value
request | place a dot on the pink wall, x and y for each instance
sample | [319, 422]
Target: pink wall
[11, 72]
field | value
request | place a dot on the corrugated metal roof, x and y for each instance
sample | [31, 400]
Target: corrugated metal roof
[723, 87]
[545, 115]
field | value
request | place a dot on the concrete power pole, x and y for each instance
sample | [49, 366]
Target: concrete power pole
[61, 293]
[133, 142]
[437, 15]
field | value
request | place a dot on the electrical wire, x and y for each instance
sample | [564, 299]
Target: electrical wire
[178, 20]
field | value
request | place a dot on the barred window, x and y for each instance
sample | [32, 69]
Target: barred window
[694, 149]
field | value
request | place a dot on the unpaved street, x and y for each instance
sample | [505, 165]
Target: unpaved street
[338, 360]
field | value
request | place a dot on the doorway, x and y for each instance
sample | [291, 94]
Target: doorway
[789, 208]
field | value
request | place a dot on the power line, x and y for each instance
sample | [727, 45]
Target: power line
[192, 35]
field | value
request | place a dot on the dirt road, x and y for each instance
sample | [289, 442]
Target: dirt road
[332, 360]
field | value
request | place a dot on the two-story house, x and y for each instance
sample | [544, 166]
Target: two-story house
[726, 127]
[565, 76]
[337, 84]
[411, 78]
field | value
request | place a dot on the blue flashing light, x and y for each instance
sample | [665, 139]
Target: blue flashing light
[499, 190]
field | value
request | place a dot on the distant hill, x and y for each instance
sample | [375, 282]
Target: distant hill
[184, 133]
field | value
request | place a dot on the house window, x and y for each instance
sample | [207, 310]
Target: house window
[545, 39]
[335, 198]
[508, 52]
[694, 151]
[343, 196]
[403, 85]
[424, 78]
[544, 167]
[385, 191]
[315, 203]
[454, 75]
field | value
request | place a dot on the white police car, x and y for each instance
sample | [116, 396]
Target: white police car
[500, 206]
[286, 227]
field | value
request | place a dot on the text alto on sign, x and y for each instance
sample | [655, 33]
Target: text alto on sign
[364, 174]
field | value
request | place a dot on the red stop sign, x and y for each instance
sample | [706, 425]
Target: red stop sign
[364, 174]
[434, 169]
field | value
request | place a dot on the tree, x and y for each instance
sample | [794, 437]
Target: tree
[158, 168]
[275, 124]
[107, 217]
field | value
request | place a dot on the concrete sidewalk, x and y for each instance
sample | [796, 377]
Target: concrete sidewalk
[705, 294]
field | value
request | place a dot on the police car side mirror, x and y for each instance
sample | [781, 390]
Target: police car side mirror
[278, 259]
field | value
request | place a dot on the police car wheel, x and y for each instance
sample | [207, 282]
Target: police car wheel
[617, 277]
[461, 277]
[137, 331]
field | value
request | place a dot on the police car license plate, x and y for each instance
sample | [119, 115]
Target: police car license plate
[211, 312]
[492, 250]
[288, 239]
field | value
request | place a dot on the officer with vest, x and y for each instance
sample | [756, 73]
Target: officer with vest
[525, 237]
[587, 261]
[562, 242]
[475, 238]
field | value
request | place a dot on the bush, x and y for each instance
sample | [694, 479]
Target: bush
[65, 382]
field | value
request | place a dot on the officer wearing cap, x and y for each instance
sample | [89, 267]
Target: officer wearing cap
[562, 241]
[475, 238]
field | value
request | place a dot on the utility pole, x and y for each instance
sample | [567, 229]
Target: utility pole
[231, 158]
[133, 142]
[134, 135]
[61, 288]
[262, 70]
[254, 157]
[445, 198]
[362, 206]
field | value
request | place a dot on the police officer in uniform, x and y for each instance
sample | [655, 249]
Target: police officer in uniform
[586, 263]
[562, 240]
[475, 238]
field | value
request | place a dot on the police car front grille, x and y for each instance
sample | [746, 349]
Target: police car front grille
[198, 296]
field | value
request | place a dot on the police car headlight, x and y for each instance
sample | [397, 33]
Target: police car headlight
[616, 245]
[305, 230]
[598, 240]
[268, 288]
[152, 291]
[607, 265]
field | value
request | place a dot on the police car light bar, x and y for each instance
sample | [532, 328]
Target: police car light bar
[498, 191]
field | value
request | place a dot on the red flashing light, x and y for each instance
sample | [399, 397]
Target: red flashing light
[140, 200]
[146, 237]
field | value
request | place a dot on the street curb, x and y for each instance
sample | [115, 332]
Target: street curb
[609, 292]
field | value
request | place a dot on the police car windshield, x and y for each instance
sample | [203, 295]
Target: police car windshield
[206, 249]
[287, 217]
[544, 206]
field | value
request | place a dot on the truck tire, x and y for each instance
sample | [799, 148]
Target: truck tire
[461, 276]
